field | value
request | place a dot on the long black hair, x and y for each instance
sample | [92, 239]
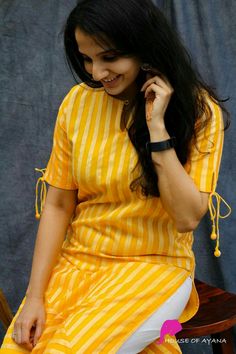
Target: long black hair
[138, 28]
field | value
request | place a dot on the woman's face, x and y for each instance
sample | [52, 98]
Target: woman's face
[116, 73]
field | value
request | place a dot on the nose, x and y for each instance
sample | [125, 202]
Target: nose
[99, 71]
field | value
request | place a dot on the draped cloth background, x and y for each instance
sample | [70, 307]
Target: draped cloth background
[34, 78]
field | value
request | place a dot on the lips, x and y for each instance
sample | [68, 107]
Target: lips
[111, 82]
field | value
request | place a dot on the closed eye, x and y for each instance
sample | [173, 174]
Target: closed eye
[110, 57]
[106, 58]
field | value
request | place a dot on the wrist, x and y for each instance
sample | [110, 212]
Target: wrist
[30, 294]
[162, 159]
[159, 134]
[159, 146]
[34, 299]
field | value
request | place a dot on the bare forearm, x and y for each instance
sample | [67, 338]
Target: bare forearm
[179, 195]
[52, 229]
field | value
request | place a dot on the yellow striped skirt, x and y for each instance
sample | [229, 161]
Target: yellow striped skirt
[97, 311]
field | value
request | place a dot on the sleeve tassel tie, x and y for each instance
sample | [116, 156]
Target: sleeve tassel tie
[215, 216]
[41, 184]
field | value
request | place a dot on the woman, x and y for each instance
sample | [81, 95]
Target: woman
[135, 160]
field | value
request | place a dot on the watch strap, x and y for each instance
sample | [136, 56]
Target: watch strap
[161, 145]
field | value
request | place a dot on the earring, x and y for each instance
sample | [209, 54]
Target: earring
[146, 67]
[149, 68]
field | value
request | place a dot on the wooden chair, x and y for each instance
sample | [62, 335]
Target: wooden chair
[6, 315]
[216, 317]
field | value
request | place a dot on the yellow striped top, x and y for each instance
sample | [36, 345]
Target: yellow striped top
[112, 224]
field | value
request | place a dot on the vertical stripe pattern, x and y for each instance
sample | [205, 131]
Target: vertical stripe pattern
[122, 256]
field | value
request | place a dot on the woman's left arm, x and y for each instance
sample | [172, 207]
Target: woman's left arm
[179, 195]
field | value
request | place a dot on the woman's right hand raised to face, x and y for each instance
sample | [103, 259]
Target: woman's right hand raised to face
[29, 324]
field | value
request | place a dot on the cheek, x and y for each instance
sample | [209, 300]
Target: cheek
[133, 72]
[88, 67]
[126, 68]
[130, 69]
[136, 70]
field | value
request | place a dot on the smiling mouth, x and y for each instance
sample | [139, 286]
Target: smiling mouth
[110, 80]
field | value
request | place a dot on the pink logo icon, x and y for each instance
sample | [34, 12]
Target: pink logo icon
[170, 327]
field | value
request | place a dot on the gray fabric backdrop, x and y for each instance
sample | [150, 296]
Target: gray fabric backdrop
[33, 80]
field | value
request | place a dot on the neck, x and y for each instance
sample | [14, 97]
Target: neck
[129, 94]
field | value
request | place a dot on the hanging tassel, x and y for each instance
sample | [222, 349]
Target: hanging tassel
[215, 216]
[43, 193]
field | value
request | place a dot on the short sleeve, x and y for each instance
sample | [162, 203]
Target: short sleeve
[59, 169]
[206, 151]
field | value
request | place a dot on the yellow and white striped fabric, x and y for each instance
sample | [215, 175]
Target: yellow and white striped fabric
[122, 256]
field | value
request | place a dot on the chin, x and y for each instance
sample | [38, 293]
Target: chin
[113, 91]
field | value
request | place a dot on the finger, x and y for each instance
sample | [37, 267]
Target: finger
[13, 335]
[163, 81]
[17, 333]
[25, 334]
[152, 80]
[28, 346]
[149, 104]
[159, 91]
[154, 90]
[156, 80]
[149, 108]
[38, 332]
[18, 336]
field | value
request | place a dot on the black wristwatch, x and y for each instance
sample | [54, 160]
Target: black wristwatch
[161, 145]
